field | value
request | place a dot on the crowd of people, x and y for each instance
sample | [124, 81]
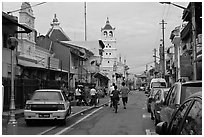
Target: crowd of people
[89, 96]
[85, 95]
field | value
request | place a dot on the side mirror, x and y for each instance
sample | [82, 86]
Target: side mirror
[161, 128]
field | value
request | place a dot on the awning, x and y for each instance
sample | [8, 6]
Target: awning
[29, 64]
[186, 31]
[34, 65]
[198, 59]
[100, 76]
[10, 19]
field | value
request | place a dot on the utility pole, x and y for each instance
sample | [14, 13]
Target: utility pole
[194, 40]
[85, 20]
[163, 54]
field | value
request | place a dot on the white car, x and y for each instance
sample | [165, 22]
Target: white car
[47, 104]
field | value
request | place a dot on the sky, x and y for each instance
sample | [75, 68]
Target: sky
[138, 29]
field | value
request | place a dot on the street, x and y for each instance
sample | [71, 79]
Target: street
[130, 121]
[135, 120]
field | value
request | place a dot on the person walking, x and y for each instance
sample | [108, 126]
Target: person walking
[111, 95]
[93, 95]
[78, 95]
[115, 98]
[124, 93]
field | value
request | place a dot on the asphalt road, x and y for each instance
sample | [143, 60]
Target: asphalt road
[131, 121]
[135, 120]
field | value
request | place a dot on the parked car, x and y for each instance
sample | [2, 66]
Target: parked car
[176, 95]
[155, 85]
[187, 119]
[158, 82]
[47, 104]
[142, 88]
[157, 102]
[151, 98]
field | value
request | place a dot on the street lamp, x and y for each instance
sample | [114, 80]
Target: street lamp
[192, 11]
[12, 44]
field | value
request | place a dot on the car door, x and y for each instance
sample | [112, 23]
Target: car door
[178, 117]
[170, 104]
[192, 124]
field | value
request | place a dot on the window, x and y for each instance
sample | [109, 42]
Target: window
[111, 33]
[106, 53]
[109, 53]
[105, 33]
[173, 96]
[177, 118]
[47, 95]
[193, 121]
[108, 62]
[109, 46]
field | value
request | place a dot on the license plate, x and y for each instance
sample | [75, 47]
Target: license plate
[44, 115]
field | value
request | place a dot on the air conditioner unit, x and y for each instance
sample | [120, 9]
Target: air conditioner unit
[199, 38]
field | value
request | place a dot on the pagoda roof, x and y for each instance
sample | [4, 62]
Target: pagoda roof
[56, 33]
[107, 26]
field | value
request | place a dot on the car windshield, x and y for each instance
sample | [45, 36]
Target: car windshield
[47, 95]
[158, 84]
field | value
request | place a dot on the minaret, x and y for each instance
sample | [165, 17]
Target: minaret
[26, 17]
[26, 46]
[110, 50]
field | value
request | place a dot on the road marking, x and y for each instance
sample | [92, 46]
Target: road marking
[146, 116]
[148, 132]
[57, 126]
[65, 129]
[47, 130]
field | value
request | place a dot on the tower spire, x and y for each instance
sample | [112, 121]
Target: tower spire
[55, 21]
[107, 22]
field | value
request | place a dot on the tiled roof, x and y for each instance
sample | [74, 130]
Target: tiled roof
[58, 35]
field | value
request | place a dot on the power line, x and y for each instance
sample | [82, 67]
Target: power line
[141, 65]
[26, 7]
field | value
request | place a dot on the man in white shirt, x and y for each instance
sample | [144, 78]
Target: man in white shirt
[111, 95]
[78, 94]
[93, 95]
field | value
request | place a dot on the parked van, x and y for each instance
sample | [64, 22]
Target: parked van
[157, 83]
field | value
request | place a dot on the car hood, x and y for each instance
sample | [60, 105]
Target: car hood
[44, 102]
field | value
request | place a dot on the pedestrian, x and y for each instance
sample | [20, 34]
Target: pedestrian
[83, 96]
[93, 94]
[124, 94]
[115, 98]
[78, 95]
[110, 94]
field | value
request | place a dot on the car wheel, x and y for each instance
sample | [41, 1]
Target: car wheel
[63, 122]
[69, 111]
[156, 121]
[28, 122]
[148, 109]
